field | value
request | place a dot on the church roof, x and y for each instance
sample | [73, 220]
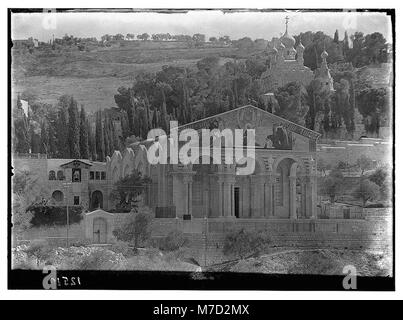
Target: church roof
[289, 124]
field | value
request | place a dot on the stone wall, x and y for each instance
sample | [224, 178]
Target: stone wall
[350, 151]
[333, 233]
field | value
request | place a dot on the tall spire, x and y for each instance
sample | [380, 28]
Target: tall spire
[286, 24]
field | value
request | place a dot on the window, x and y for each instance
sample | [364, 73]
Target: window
[76, 175]
[60, 175]
[52, 175]
[57, 196]
[103, 175]
[76, 200]
[91, 175]
[97, 175]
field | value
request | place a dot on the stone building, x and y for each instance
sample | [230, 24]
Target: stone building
[283, 184]
[73, 182]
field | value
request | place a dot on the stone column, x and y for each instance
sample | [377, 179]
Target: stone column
[226, 197]
[311, 197]
[269, 197]
[187, 180]
[257, 196]
[293, 197]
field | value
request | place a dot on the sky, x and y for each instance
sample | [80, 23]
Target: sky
[211, 23]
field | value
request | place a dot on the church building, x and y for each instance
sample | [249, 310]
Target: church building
[283, 184]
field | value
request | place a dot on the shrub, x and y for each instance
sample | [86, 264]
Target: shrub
[123, 248]
[136, 227]
[173, 241]
[242, 243]
[41, 250]
[54, 215]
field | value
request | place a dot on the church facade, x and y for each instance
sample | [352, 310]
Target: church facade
[283, 184]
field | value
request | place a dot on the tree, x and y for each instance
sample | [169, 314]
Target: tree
[91, 143]
[213, 39]
[364, 163]
[44, 138]
[291, 102]
[333, 185]
[367, 190]
[84, 144]
[136, 227]
[28, 189]
[199, 38]
[21, 139]
[127, 191]
[323, 166]
[99, 137]
[62, 132]
[130, 36]
[143, 36]
[74, 129]
[336, 37]
[242, 243]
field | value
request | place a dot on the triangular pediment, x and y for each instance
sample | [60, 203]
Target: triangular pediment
[250, 117]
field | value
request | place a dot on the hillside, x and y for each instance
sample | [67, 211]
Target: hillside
[94, 76]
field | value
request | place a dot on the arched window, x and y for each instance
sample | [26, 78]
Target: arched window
[52, 175]
[57, 196]
[60, 175]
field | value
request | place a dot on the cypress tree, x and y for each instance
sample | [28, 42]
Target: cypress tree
[99, 137]
[91, 142]
[74, 129]
[84, 147]
[44, 138]
[62, 133]
[107, 136]
[336, 37]
[21, 130]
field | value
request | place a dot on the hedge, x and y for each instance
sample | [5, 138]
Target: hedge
[54, 215]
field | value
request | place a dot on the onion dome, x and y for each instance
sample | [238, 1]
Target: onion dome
[273, 50]
[287, 40]
[324, 54]
[281, 46]
[300, 46]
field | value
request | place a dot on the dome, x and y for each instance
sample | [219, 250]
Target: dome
[300, 46]
[273, 50]
[281, 46]
[287, 40]
[324, 54]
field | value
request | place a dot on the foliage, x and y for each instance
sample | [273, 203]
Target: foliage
[291, 102]
[123, 248]
[364, 163]
[47, 215]
[127, 191]
[333, 184]
[136, 227]
[28, 190]
[242, 243]
[323, 166]
[173, 241]
[367, 190]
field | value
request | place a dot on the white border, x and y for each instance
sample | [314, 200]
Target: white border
[193, 295]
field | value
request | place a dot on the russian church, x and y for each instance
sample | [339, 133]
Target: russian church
[286, 64]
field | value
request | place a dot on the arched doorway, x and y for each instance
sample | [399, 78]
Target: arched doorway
[58, 196]
[249, 194]
[99, 230]
[204, 190]
[97, 200]
[286, 189]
